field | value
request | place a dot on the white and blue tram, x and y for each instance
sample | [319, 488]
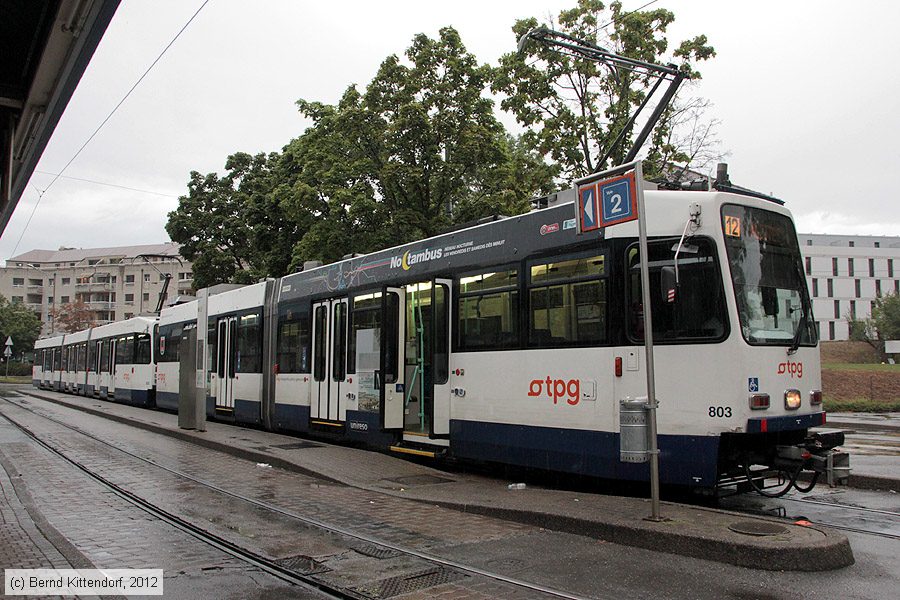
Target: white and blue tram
[515, 341]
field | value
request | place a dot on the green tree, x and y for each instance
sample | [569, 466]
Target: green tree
[223, 223]
[574, 108]
[886, 317]
[419, 150]
[20, 323]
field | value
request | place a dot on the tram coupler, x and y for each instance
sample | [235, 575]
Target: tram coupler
[817, 454]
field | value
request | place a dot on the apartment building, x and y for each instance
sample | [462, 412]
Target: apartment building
[845, 274]
[114, 283]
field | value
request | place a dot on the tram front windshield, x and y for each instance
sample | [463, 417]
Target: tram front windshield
[767, 273]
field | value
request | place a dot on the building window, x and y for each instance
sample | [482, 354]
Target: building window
[853, 309]
[129, 297]
[897, 286]
[850, 267]
[830, 330]
[146, 297]
[831, 288]
[871, 267]
[890, 267]
[18, 299]
[878, 244]
[834, 269]
[837, 309]
[878, 288]
[66, 280]
[808, 266]
[858, 287]
[64, 299]
[815, 284]
[129, 279]
[852, 243]
[18, 281]
[808, 243]
[147, 277]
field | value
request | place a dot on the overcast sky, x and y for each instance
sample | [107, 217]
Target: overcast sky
[807, 92]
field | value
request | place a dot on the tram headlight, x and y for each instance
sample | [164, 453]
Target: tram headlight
[792, 399]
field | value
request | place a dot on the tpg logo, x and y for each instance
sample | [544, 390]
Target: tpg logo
[556, 389]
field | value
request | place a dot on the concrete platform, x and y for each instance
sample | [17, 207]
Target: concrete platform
[735, 538]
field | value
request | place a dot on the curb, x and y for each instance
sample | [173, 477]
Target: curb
[832, 552]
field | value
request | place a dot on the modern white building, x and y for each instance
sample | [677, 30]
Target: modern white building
[845, 274]
[115, 283]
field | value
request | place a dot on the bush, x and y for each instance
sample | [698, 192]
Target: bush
[16, 368]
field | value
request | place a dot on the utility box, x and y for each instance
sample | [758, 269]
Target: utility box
[191, 406]
[634, 430]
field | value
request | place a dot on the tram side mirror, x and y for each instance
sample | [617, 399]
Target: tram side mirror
[668, 286]
[770, 301]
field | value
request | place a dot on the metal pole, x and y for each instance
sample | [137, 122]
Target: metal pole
[648, 343]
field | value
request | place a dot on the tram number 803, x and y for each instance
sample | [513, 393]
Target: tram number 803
[720, 411]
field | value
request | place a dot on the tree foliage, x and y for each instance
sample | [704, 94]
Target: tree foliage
[574, 108]
[418, 150]
[216, 223]
[20, 323]
[886, 317]
[72, 317]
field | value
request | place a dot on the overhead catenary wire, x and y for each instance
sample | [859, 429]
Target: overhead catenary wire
[105, 121]
[106, 183]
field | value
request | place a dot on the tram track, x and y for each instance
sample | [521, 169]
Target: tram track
[267, 564]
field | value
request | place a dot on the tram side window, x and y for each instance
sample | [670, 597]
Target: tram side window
[104, 356]
[125, 350]
[339, 343]
[293, 342]
[92, 356]
[170, 343]
[695, 310]
[363, 347]
[567, 301]
[488, 311]
[249, 344]
[211, 345]
[46, 355]
[143, 352]
[64, 364]
[320, 341]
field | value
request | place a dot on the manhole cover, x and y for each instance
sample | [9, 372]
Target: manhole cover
[758, 528]
[378, 552]
[412, 480]
[304, 565]
[295, 445]
[413, 582]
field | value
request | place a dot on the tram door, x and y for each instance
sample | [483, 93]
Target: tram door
[227, 355]
[418, 400]
[329, 361]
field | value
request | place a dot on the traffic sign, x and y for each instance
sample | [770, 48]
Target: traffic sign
[8, 352]
[618, 200]
[588, 218]
[9, 341]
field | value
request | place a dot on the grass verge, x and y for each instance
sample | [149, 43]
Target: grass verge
[861, 405]
[874, 367]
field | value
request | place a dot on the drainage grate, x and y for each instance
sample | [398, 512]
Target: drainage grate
[296, 445]
[412, 480]
[404, 584]
[303, 565]
[378, 552]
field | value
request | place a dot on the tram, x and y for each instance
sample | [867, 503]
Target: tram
[515, 341]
